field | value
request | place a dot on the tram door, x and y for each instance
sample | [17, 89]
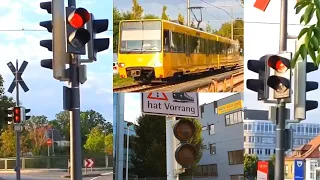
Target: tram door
[188, 49]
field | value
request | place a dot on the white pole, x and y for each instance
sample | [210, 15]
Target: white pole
[127, 163]
[188, 12]
[170, 148]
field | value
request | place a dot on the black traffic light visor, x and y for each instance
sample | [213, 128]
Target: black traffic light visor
[279, 84]
[79, 38]
[186, 155]
[279, 63]
[256, 66]
[184, 130]
[255, 84]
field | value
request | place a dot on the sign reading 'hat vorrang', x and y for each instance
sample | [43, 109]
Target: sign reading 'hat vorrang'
[175, 104]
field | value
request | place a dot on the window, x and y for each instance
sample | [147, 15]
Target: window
[236, 157]
[212, 149]
[211, 129]
[207, 170]
[204, 128]
[202, 111]
[234, 118]
[166, 40]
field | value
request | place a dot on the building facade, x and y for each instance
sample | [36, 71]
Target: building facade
[222, 133]
[260, 133]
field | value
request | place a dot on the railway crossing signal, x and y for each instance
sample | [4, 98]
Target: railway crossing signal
[77, 36]
[57, 44]
[186, 153]
[24, 113]
[97, 45]
[17, 76]
[280, 78]
[17, 115]
[9, 115]
[259, 85]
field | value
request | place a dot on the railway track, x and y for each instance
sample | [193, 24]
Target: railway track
[177, 86]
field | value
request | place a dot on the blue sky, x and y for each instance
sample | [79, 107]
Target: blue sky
[45, 95]
[211, 15]
[261, 37]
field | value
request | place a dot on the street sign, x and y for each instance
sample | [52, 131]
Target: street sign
[262, 172]
[49, 142]
[174, 104]
[261, 4]
[88, 163]
[17, 76]
[298, 169]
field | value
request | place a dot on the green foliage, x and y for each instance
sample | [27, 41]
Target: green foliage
[95, 141]
[180, 18]
[8, 144]
[149, 146]
[310, 35]
[36, 121]
[271, 166]
[5, 103]
[250, 166]
[238, 29]
[164, 13]
[208, 28]
[108, 141]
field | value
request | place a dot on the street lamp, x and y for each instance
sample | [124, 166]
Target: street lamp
[127, 163]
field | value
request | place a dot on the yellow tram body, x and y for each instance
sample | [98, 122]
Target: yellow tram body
[158, 49]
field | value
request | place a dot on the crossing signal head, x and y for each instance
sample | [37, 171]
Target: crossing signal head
[16, 115]
[186, 155]
[9, 115]
[184, 130]
[279, 63]
[77, 36]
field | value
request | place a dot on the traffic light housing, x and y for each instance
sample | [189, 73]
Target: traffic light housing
[97, 45]
[280, 75]
[186, 153]
[9, 115]
[57, 44]
[259, 85]
[24, 114]
[302, 86]
[17, 115]
[77, 37]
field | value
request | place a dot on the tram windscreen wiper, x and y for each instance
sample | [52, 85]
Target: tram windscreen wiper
[135, 49]
[150, 48]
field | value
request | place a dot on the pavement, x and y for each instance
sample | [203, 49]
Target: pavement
[55, 175]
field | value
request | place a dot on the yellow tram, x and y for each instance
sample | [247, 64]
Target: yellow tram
[155, 50]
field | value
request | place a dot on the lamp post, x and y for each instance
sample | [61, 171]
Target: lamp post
[127, 162]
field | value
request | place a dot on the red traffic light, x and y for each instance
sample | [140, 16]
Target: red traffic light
[184, 130]
[79, 17]
[186, 155]
[279, 64]
[16, 115]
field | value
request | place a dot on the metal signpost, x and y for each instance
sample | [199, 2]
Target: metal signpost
[17, 72]
[171, 105]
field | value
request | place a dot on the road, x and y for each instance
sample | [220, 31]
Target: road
[52, 176]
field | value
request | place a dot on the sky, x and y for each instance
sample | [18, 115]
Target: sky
[210, 14]
[132, 110]
[45, 94]
[261, 37]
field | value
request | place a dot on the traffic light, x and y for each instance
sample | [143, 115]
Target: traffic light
[17, 115]
[259, 85]
[24, 113]
[77, 36]
[280, 79]
[186, 153]
[57, 43]
[302, 86]
[96, 45]
[9, 115]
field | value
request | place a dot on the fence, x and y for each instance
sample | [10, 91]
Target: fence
[52, 162]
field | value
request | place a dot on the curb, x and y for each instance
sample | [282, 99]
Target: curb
[84, 175]
[48, 170]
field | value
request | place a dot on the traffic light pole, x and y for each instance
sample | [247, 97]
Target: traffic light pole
[170, 148]
[75, 128]
[281, 106]
[17, 127]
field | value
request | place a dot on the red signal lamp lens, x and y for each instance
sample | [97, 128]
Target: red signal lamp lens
[76, 21]
[280, 67]
[79, 17]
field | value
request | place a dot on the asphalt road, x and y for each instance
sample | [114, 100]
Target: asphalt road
[51, 176]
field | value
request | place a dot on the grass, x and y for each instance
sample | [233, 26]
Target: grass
[118, 82]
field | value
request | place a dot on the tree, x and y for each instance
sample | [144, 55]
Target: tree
[38, 139]
[5, 103]
[62, 124]
[137, 10]
[8, 143]
[149, 146]
[164, 13]
[271, 166]
[208, 28]
[36, 121]
[225, 30]
[108, 141]
[180, 18]
[150, 16]
[250, 166]
[95, 141]
[312, 33]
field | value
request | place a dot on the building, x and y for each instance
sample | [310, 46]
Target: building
[222, 132]
[260, 133]
[310, 154]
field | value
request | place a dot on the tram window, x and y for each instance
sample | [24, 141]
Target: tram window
[166, 40]
[174, 42]
[193, 43]
[213, 47]
[202, 45]
[181, 45]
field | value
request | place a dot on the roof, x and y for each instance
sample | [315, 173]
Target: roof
[310, 150]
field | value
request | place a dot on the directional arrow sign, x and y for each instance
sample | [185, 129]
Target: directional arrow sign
[17, 76]
[88, 163]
